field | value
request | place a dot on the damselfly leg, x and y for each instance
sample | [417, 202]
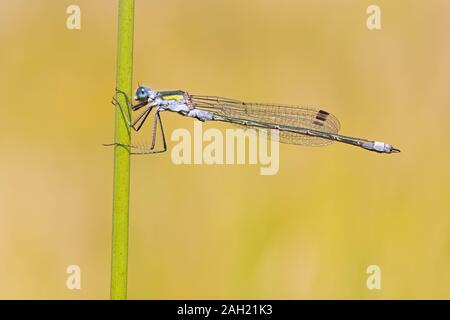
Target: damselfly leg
[144, 114]
[146, 150]
[139, 121]
[157, 116]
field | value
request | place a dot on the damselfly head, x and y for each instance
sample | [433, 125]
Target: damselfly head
[144, 94]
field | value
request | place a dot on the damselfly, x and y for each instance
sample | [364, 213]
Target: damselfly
[296, 125]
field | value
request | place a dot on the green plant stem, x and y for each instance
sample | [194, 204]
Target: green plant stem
[119, 260]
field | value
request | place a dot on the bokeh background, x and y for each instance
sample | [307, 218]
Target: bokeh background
[199, 231]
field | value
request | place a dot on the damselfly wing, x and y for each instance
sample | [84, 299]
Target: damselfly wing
[294, 116]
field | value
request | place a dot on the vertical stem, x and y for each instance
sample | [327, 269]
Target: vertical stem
[119, 260]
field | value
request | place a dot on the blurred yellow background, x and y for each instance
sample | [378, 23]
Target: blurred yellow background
[199, 231]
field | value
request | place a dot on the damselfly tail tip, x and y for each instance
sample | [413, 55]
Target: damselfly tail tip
[395, 150]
